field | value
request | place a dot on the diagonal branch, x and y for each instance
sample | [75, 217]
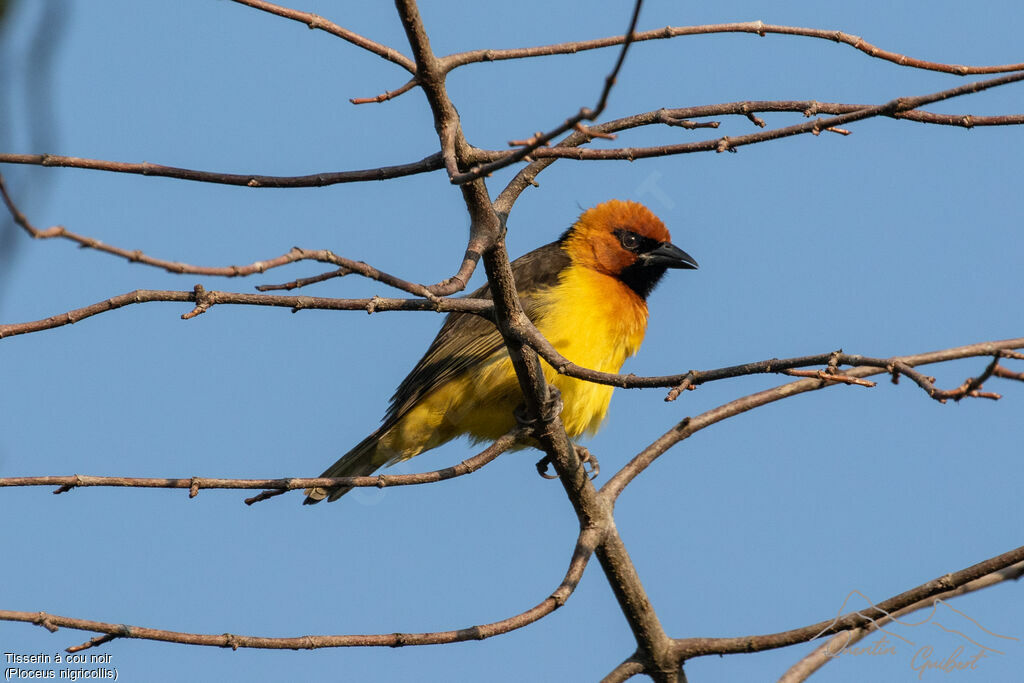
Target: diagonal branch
[591, 510]
[315, 21]
[688, 648]
[585, 544]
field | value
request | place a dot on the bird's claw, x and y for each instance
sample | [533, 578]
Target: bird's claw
[542, 468]
[552, 408]
[585, 456]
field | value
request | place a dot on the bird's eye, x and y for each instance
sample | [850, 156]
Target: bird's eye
[630, 241]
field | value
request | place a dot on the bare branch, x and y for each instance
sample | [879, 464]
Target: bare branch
[210, 298]
[435, 162]
[729, 144]
[581, 554]
[425, 165]
[314, 21]
[830, 649]
[194, 484]
[757, 27]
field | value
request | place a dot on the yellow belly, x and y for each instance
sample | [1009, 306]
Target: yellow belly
[592, 319]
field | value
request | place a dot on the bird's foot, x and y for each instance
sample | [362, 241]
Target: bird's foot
[551, 409]
[585, 456]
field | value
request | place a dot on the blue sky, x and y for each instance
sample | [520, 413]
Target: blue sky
[897, 239]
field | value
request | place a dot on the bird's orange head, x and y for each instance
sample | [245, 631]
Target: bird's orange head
[626, 241]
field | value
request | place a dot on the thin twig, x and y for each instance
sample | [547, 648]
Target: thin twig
[389, 95]
[93, 642]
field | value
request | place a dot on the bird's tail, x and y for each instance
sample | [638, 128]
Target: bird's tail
[358, 462]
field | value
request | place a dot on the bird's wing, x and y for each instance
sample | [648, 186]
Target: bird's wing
[466, 340]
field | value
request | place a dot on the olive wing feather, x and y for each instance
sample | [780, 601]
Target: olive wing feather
[466, 341]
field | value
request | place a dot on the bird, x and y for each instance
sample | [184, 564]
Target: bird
[586, 293]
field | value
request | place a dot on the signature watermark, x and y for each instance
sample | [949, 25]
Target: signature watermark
[944, 640]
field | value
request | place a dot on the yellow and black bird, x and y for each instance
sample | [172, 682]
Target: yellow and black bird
[585, 292]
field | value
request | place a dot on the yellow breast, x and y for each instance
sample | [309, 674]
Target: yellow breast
[597, 322]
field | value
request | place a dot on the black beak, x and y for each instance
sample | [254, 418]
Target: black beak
[668, 255]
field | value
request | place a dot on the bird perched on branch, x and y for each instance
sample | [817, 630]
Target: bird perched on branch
[585, 292]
